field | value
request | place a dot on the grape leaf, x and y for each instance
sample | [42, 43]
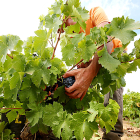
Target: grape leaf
[77, 38]
[75, 3]
[7, 43]
[18, 46]
[46, 75]
[107, 61]
[11, 115]
[19, 63]
[35, 114]
[51, 113]
[122, 69]
[82, 128]
[86, 49]
[68, 53]
[137, 46]
[60, 92]
[73, 28]
[52, 22]
[15, 81]
[62, 127]
[36, 77]
[123, 29]
[55, 8]
[7, 91]
[7, 63]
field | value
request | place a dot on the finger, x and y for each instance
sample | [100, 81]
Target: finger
[70, 73]
[73, 94]
[83, 96]
[78, 96]
[72, 88]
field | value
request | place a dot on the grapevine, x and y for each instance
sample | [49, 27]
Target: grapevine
[32, 76]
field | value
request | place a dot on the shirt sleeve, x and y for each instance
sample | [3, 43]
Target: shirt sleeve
[98, 16]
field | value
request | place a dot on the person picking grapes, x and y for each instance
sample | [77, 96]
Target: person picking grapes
[86, 72]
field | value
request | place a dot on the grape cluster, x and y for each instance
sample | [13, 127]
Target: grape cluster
[69, 81]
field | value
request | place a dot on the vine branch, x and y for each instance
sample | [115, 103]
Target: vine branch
[59, 37]
[10, 56]
[11, 108]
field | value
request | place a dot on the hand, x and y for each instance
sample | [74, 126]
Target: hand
[83, 79]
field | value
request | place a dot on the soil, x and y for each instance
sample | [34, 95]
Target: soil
[130, 132]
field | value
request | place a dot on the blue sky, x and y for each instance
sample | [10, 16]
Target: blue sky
[20, 17]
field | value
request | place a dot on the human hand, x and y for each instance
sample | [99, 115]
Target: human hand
[83, 79]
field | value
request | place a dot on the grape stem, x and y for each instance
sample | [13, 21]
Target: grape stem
[11, 108]
[59, 37]
[10, 56]
[97, 49]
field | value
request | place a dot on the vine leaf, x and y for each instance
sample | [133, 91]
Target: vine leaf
[36, 77]
[60, 92]
[52, 22]
[68, 53]
[137, 48]
[64, 126]
[123, 29]
[107, 61]
[7, 43]
[35, 114]
[11, 115]
[15, 81]
[82, 128]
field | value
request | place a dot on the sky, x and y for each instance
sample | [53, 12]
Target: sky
[21, 17]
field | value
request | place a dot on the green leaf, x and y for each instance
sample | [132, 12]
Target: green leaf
[18, 46]
[123, 29]
[52, 22]
[82, 128]
[55, 8]
[64, 126]
[68, 53]
[7, 63]
[75, 3]
[35, 114]
[107, 61]
[46, 76]
[7, 91]
[15, 81]
[2, 126]
[7, 43]
[36, 77]
[19, 63]
[122, 69]
[29, 94]
[77, 38]
[60, 92]
[40, 41]
[137, 46]
[86, 49]
[54, 70]
[26, 82]
[11, 115]
[51, 113]
[73, 28]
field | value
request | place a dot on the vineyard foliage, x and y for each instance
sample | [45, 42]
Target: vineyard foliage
[131, 107]
[30, 72]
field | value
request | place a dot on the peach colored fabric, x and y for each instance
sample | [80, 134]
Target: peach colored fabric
[97, 16]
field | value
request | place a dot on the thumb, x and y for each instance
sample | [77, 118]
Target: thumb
[70, 73]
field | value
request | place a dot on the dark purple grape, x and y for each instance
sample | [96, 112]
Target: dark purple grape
[69, 81]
